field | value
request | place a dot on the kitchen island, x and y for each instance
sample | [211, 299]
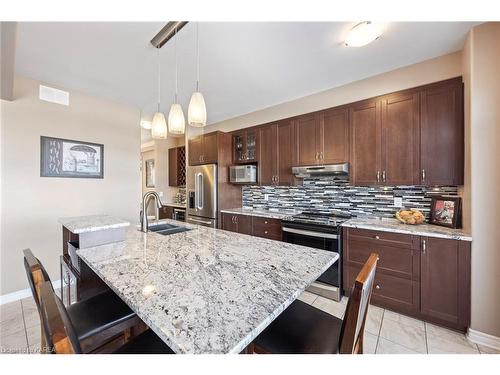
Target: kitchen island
[206, 290]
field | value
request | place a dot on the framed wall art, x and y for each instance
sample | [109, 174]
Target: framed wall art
[69, 158]
[150, 173]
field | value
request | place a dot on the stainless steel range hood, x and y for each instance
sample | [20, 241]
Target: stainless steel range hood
[321, 170]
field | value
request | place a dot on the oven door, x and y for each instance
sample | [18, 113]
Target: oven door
[317, 240]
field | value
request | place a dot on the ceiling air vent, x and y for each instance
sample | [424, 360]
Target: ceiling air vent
[50, 94]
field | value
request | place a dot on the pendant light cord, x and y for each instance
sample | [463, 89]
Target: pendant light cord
[197, 56]
[175, 65]
[159, 79]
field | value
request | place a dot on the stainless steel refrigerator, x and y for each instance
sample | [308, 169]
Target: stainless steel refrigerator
[201, 190]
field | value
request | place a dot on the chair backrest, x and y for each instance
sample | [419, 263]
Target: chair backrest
[351, 336]
[36, 274]
[60, 336]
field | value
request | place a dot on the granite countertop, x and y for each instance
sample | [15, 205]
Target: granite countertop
[92, 223]
[261, 213]
[206, 290]
[393, 225]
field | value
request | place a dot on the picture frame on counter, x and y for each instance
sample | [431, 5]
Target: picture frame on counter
[446, 211]
[69, 158]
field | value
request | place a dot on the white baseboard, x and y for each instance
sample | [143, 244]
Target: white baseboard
[483, 339]
[20, 294]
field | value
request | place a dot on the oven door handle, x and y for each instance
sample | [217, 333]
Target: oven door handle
[310, 233]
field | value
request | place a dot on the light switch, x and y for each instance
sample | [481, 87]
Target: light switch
[266, 197]
[398, 202]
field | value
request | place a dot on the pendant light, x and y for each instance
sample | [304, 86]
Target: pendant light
[197, 111]
[176, 121]
[159, 125]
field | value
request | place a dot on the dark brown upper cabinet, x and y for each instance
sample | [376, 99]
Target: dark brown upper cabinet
[277, 153]
[323, 137]
[400, 155]
[203, 149]
[268, 157]
[287, 157]
[412, 137]
[366, 140]
[334, 136]
[308, 139]
[442, 134]
[246, 146]
[177, 166]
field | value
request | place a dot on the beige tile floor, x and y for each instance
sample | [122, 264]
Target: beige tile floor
[386, 332]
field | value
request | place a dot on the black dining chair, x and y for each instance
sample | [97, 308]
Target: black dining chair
[61, 336]
[304, 329]
[96, 321]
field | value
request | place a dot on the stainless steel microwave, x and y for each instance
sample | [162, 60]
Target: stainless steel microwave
[243, 174]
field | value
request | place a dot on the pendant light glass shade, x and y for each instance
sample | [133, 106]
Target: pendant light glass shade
[159, 126]
[176, 121]
[197, 111]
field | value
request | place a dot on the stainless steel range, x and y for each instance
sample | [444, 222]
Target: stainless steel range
[321, 231]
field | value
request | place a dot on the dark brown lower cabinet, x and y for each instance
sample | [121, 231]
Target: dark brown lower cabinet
[424, 277]
[252, 225]
[237, 223]
[166, 212]
[445, 280]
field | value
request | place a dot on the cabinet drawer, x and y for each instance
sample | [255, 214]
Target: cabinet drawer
[386, 238]
[267, 228]
[399, 261]
[392, 292]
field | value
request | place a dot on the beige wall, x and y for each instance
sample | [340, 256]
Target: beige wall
[482, 57]
[158, 150]
[32, 204]
[429, 71]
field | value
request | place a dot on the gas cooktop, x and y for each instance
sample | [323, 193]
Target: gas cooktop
[319, 218]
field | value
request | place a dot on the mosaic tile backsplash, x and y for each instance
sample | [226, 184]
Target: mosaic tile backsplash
[331, 195]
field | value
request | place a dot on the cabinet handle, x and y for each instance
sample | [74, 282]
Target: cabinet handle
[378, 176]
[317, 156]
[265, 232]
[423, 175]
[377, 286]
[424, 246]
[377, 237]
[265, 222]
[321, 155]
[384, 176]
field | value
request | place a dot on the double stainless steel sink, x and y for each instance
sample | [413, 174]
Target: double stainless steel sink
[166, 229]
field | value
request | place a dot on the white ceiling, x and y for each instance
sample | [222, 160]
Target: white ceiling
[244, 66]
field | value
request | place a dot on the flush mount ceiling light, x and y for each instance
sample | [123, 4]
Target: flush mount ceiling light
[197, 110]
[159, 125]
[176, 121]
[363, 33]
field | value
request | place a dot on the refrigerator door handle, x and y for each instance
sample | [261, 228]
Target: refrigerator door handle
[199, 190]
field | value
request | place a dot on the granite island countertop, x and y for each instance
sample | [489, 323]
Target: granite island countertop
[206, 290]
[91, 223]
[271, 214]
[395, 226]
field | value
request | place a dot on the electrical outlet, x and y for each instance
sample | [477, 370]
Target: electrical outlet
[398, 202]
[266, 197]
